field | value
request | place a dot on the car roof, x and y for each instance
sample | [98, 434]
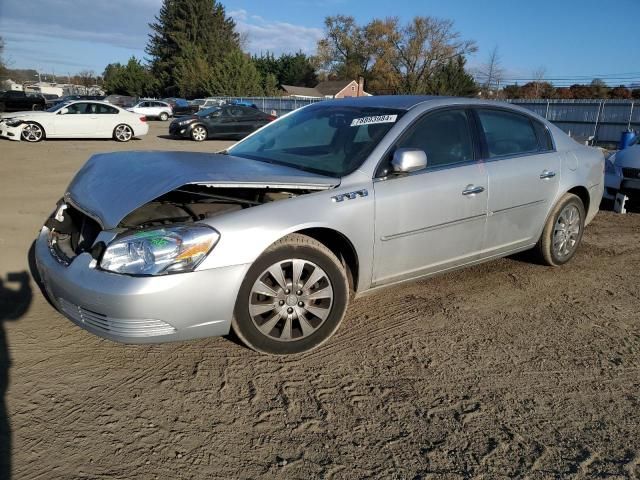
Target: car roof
[407, 102]
[91, 101]
[401, 102]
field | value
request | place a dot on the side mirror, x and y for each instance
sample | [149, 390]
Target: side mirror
[407, 160]
[64, 111]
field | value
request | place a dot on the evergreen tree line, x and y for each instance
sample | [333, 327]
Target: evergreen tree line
[195, 50]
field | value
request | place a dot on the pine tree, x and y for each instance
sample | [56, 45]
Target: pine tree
[182, 26]
[237, 76]
[452, 79]
[130, 79]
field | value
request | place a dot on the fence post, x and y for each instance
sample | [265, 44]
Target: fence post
[630, 115]
[546, 114]
[595, 128]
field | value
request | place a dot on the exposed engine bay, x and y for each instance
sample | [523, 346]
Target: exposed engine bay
[72, 232]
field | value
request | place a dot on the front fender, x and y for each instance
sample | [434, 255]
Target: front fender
[245, 234]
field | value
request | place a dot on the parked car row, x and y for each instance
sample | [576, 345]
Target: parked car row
[99, 119]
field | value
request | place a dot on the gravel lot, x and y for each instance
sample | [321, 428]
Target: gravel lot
[506, 370]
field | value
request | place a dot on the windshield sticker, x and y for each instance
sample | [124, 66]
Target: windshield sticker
[356, 122]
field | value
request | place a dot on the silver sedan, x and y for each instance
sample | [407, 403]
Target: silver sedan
[272, 237]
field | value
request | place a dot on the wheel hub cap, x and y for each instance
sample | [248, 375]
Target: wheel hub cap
[566, 231]
[285, 316]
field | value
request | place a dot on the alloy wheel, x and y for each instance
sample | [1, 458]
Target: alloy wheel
[32, 132]
[123, 133]
[566, 232]
[290, 300]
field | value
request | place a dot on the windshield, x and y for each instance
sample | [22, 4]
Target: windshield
[327, 139]
[207, 111]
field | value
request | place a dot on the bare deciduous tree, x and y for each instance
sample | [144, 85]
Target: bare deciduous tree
[347, 49]
[417, 50]
[538, 79]
[395, 58]
[87, 77]
[491, 74]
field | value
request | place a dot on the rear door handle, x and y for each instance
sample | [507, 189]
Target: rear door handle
[472, 190]
[547, 174]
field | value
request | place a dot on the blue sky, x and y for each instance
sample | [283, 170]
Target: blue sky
[569, 38]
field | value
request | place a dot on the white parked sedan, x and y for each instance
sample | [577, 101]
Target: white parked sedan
[80, 119]
[153, 109]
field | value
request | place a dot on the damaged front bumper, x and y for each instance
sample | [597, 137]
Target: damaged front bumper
[127, 309]
[11, 132]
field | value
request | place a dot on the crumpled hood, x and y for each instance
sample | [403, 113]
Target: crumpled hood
[111, 185]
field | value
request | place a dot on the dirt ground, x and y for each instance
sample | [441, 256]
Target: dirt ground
[505, 370]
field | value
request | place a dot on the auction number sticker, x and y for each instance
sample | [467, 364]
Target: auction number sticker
[356, 122]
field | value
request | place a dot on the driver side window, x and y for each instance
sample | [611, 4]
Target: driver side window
[444, 136]
[76, 108]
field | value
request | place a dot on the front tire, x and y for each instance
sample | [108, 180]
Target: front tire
[32, 132]
[563, 231]
[198, 133]
[123, 133]
[164, 116]
[292, 299]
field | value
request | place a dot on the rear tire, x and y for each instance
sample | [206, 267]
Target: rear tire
[299, 306]
[563, 231]
[123, 133]
[164, 116]
[199, 133]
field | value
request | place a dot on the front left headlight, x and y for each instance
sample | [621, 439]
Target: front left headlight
[160, 251]
[12, 122]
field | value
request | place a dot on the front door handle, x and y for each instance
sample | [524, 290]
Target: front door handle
[547, 174]
[472, 190]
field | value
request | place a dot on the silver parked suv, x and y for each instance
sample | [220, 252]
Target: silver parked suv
[271, 236]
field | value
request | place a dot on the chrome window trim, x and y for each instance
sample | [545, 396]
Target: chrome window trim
[531, 119]
[418, 118]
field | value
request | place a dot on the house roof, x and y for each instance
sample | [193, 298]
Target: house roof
[332, 87]
[327, 88]
[301, 91]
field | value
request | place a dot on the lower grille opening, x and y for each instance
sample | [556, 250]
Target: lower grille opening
[125, 327]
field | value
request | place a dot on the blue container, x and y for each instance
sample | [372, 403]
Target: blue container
[627, 137]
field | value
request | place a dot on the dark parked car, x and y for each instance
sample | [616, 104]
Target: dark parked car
[14, 101]
[228, 121]
[180, 106]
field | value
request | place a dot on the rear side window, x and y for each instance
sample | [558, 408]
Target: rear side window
[106, 109]
[444, 136]
[507, 133]
[544, 137]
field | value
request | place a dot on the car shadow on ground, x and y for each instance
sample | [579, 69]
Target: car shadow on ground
[172, 137]
[15, 298]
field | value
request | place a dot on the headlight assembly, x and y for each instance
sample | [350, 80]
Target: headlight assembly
[160, 251]
[12, 122]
